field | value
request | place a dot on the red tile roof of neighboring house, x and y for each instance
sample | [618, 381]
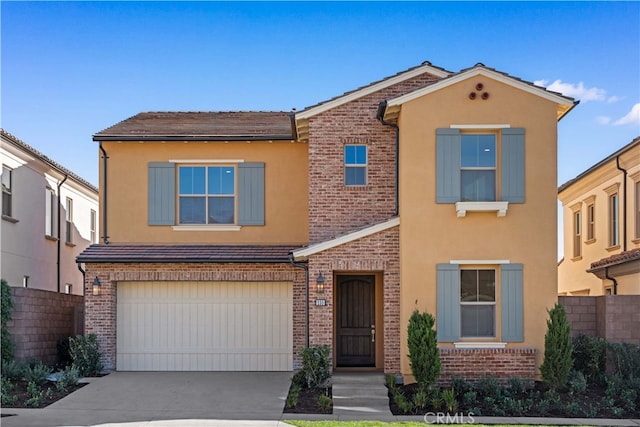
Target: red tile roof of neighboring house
[122, 253]
[201, 126]
[621, 258]
[61, 169]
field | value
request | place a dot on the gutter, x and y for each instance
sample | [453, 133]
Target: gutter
[59, 228]
[305, 267]
[138, 138]
[163, 259]
[624, 203]
[380, 116]
[615, 282]
[105, 236]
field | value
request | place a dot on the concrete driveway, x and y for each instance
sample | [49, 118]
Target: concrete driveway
[149, 396]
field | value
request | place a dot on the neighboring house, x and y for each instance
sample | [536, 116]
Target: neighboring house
[49, 216]
[601, 214]
[232, 240]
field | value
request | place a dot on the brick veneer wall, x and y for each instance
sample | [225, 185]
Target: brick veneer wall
[376, 253]
[101, 310]
[39, 319]
[474, 364]
[333, 207]
[615, 318]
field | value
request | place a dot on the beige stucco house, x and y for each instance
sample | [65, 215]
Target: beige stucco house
[601, 215]
[49, 216]
[233, 239]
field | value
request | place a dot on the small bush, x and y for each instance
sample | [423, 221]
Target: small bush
[68, 377]
[6, 306]
[315, 365]
[589, 357]
[402, 403]
[423, 349]
[517, 386]
[37, 374]
[625, 359]
[325, 402]
[390, 381]
[85, 353]
[558, 349]
[420, 399]
[450, 401]
[292, 397]
[577, 382]
[6, 387]
[469, 398]
[12, 370]
[490, 386]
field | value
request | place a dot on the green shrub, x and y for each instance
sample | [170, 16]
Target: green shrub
[490, 386]
[37, 374]
[577, 382]
[625, 359]
[325, 402]
[12, 370]
[589, 357]
[420, 399]
[423, 349]
[6, 387]
[6, 306]
[558, 349]
[68, 377]
[390, 381]
[450, 401]
[402, 402]
[517, 386]
[469, 398]
[292, 397]
[86, 355]
[315, 365]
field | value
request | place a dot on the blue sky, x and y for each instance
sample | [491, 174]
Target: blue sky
[71, 69]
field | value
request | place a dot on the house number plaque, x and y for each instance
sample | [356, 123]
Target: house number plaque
[321, 302]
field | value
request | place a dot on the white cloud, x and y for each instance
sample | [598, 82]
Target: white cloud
[603, 120]
[578, 91]
[613, 99]
[631, 118]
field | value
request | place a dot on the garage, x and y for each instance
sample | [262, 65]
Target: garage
[204, 326]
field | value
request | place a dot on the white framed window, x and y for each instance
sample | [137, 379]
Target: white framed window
[478, 164]
[92, 225]
[207, 195]
[69, 220]
[355, 164]
[49, 212]
[477, 303]
[591, 220]
[577, 234]
[7, 191]
[68, 287]
[637, 211]
[614, 226]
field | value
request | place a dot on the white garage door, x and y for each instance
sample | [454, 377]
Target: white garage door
[204, 326]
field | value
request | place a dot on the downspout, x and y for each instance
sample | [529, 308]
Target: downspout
[59, 229]
[380, 116]
[615, 282]
[83, 275]
[305, 267]
[105, 236]
[624, 204]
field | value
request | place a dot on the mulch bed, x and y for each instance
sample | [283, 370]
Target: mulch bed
[20, 390]
[308, 402]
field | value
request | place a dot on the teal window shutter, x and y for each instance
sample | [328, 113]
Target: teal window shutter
[513, 165]
[447, 165]
[251, 193]
[448, 300]
[162, 194]
[512, 303]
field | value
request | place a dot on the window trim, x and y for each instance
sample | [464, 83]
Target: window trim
[49, 205]
[92, 226]
[576, 231]
[364, 165]
[7, 211]
[590, 203]
[496, 168]
[208, 226]
[69, 220]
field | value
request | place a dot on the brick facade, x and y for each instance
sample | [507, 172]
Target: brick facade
[101, 309]
[333, 207]
[39, 319]
[474, 364]
[378, 253]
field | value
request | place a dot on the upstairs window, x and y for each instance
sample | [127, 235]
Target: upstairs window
[637, 186]
[92, 225]
[577, 234]
[49, 212]
[207, 195]
[477, 167]
[614, 227]
[477, 303]
[591, 221]
[7, 191]
[355, 165]
[69, 220]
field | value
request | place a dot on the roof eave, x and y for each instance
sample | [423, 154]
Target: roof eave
[144, 260]
[157, 138]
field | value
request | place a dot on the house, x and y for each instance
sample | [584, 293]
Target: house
[49, 216]
[601, 214]
[233, 239]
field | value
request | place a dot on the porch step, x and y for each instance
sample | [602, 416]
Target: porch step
[360, 394]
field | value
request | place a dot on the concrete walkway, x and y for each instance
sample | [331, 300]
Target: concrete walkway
[360, 394]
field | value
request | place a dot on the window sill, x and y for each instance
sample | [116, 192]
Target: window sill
[206, 228]
[636, 240]
[576, 258]
[613, 248]
[499, 207]
[10, 219]
[469, 344]
[590, 241]
[53, 239]
[70, 244]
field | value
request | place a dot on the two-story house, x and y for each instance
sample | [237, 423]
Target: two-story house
[49, 216]
[231, 240]
[601, 216]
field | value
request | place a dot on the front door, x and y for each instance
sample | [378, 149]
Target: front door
[355, 320]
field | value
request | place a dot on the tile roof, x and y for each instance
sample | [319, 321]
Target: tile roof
[144, 253]
[61, 169]
[629, 146]
[621, 258]
[201, 126]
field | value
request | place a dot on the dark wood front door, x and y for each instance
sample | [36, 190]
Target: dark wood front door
[355, 320]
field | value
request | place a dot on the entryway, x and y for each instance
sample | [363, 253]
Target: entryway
[355, 318]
